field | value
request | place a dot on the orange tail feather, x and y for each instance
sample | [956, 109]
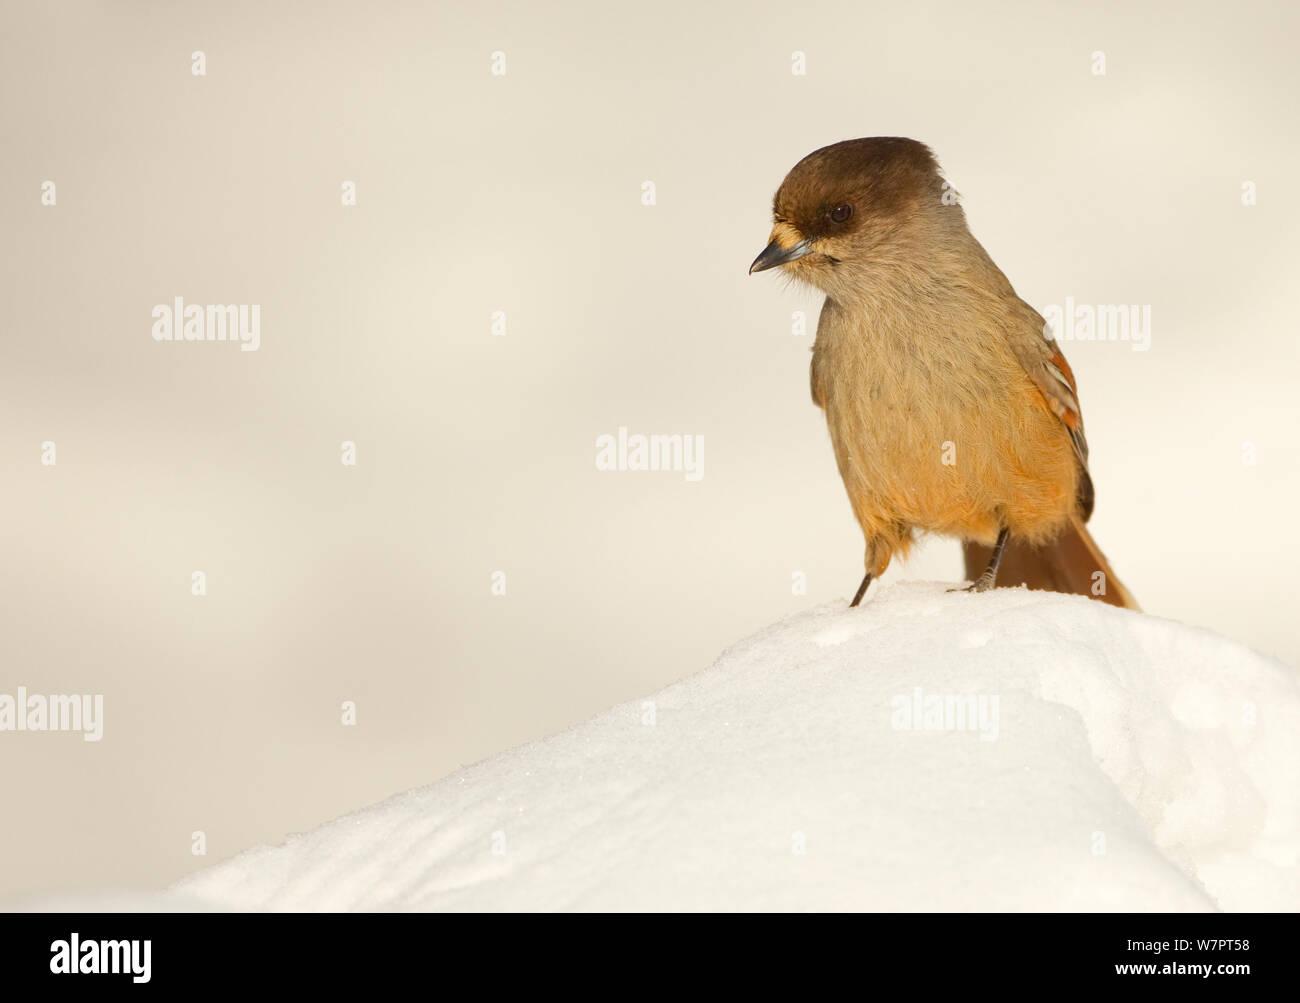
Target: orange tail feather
[1070, 564]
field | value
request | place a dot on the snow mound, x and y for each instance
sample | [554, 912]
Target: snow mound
[928, 751]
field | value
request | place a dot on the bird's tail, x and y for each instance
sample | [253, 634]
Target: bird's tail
[1071, 563]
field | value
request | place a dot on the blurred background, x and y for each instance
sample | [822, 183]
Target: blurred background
[479, 194]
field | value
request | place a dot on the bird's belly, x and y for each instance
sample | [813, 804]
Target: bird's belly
[941, 443]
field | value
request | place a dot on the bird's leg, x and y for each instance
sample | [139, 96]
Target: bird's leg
[862, 590]
[985, 581]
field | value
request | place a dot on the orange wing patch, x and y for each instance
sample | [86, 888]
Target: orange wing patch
[1063, 393]
[1045, 364]
[1055, 380]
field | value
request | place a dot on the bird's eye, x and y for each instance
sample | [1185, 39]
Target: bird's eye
[841, 213]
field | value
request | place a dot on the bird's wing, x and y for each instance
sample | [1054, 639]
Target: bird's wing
[1051, 374]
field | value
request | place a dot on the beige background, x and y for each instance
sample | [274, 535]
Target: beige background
[476, 453]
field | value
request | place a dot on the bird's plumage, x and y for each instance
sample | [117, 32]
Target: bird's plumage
[949, 407]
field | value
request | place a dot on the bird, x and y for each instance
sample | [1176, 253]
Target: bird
[951, 409]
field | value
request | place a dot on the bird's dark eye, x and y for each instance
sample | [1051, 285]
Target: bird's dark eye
[841, 213]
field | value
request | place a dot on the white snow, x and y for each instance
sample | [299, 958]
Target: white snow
[1110, 760]
[1126, 763]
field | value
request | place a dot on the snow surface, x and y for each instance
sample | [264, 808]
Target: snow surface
[1136, 764]
[1127, 763]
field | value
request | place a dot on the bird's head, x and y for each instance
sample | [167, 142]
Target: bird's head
[854, 204]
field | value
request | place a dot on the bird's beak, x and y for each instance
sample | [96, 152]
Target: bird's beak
[774, 254]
